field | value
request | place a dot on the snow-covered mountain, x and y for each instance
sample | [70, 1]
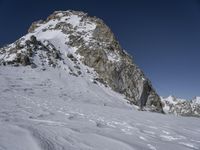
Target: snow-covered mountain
[75, 42]
[173, 105]
[68, 85]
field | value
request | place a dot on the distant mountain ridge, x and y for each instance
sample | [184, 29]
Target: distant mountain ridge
[183, 107]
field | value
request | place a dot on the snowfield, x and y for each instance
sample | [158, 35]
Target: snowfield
[52, 110]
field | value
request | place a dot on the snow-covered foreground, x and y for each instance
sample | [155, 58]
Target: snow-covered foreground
[52, 110]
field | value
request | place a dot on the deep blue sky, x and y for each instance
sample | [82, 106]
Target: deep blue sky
[162, 35]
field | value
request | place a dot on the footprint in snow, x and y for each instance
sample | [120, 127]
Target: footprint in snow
[165, 132]
[151, 147]
[143, 138]
[171, 138]
[126, 131]
[149, 132]
[190, 145]
[100, 124]
[71, 117]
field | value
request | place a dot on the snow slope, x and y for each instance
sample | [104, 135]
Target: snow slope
[53, 110]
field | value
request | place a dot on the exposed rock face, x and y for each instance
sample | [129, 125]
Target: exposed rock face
[95, 46]
[182, 107]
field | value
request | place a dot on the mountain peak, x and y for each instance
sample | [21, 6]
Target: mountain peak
[72, 38]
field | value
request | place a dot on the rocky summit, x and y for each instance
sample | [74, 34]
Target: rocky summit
[72, 40]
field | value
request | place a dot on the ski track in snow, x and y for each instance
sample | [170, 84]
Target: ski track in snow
[51, 110]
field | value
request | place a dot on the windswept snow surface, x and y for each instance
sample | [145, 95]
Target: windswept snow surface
[52, 110]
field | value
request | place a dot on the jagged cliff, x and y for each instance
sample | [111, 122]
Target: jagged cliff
[74, 36]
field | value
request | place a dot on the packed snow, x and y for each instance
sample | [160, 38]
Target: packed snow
[53, 110]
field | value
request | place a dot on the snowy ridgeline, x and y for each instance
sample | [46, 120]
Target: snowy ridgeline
[53, 110]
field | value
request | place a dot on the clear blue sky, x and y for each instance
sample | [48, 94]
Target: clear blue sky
[162, 35]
